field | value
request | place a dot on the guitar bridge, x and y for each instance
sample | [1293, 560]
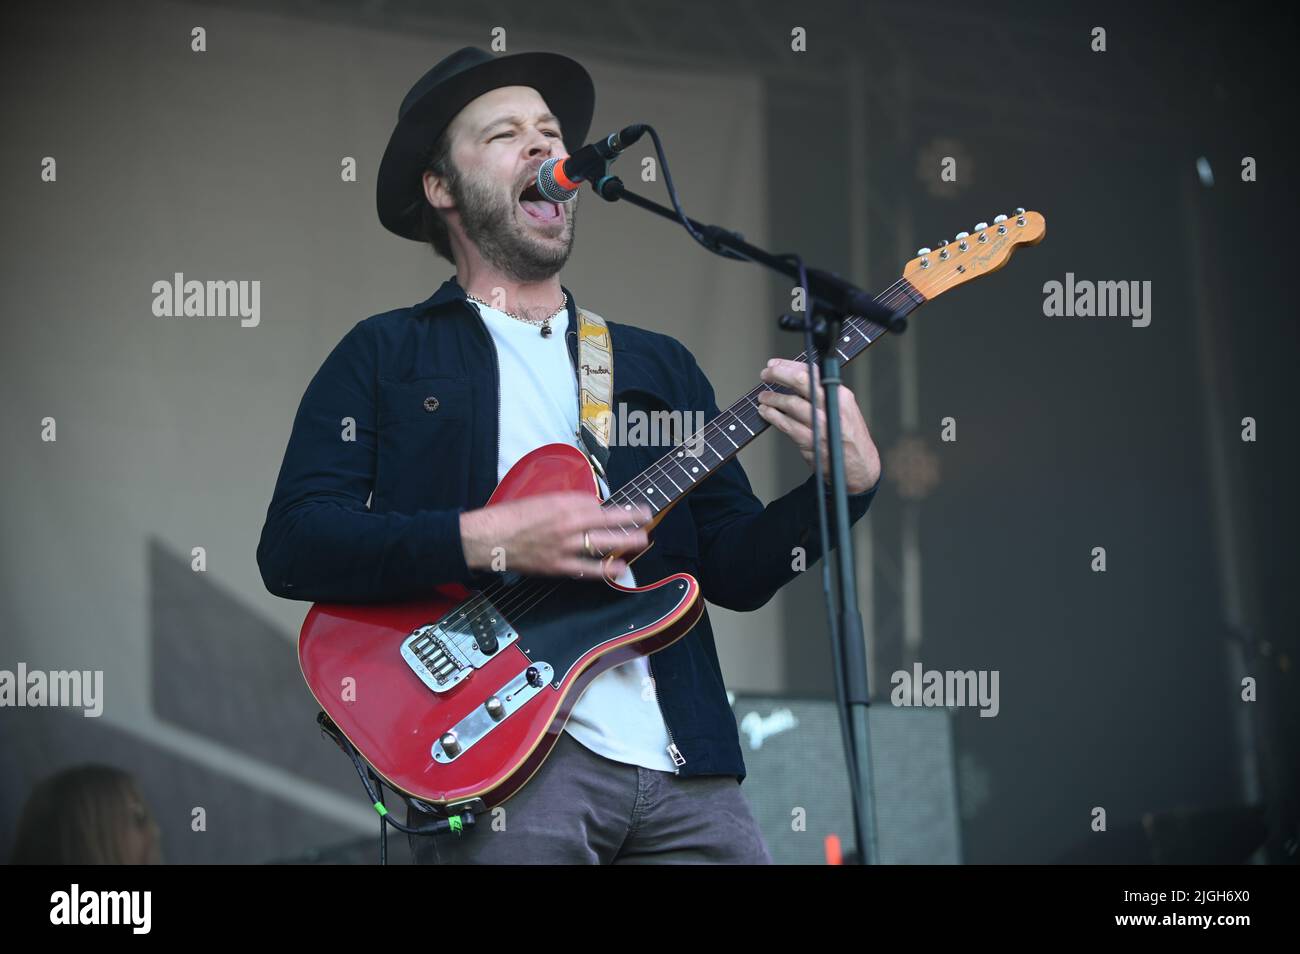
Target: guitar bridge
[443, 653]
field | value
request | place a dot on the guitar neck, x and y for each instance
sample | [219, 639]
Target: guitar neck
[678, 472]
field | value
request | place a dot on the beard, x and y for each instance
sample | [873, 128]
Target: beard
[489, 218]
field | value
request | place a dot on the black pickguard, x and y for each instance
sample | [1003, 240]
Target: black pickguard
[580, 616]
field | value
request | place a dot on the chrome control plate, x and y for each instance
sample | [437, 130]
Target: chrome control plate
[479, 724]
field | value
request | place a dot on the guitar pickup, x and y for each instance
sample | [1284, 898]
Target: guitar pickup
[442, 654]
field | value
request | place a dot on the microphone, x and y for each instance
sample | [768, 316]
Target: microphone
[558, 179]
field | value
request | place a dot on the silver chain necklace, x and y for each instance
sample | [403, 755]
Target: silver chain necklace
[544, 324]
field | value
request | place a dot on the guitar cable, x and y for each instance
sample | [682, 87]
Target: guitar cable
[374, 786]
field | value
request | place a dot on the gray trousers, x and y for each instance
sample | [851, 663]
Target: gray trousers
[582, 808]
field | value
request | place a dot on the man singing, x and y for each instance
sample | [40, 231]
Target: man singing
[448, 394]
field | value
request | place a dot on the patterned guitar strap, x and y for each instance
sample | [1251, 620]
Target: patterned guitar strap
[595, 389]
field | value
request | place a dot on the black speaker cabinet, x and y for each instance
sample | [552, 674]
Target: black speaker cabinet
[798, 788]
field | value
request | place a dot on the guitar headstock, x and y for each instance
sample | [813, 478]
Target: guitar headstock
[973, 254]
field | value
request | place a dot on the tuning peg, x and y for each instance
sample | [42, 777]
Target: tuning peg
[981, 226]
[999, 218]
[1020, 211]
[962, 235]
[922, 251]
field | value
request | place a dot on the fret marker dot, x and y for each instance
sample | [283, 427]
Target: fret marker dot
[846, 337]
[680, 454]
[695, 470]
[731, 427]
[650, 491]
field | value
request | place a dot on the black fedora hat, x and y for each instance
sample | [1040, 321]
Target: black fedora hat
[444, 91]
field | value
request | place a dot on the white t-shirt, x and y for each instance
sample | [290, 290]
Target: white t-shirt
[618, 715]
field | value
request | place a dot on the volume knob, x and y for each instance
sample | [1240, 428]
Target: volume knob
[451, 744]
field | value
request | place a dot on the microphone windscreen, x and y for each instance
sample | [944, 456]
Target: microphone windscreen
[549, 187]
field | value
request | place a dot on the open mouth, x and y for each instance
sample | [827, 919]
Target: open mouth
[540, 209]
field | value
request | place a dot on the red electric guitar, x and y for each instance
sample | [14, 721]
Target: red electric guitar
[460, 697]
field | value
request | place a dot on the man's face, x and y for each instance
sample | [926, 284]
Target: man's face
[498, 142]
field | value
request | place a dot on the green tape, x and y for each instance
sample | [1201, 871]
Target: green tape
[456, 824]
[379, 807]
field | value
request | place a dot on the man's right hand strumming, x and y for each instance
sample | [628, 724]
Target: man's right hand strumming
[549, 535]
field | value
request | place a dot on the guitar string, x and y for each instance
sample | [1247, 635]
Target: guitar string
[521, 595]
[759, 426]
[481, 604]
[854, 324]
[749, 402]
[483, 600]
